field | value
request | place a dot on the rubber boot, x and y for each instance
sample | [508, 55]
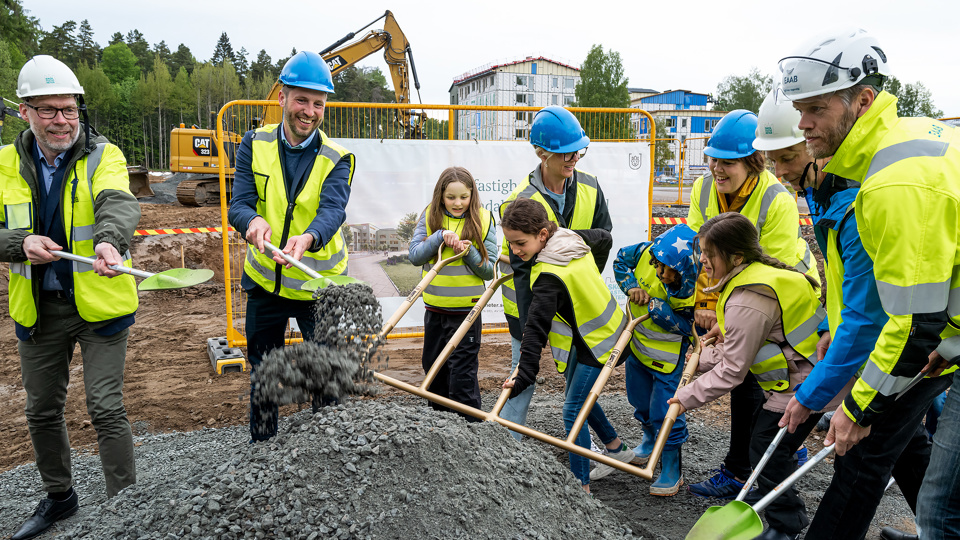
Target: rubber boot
[671, 474]
[645, 448]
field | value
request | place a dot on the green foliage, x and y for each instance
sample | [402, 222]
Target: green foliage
[262, 68]
[119, 63]
[19, 30]
[603, 84]
[141, 49]
[912, 99]
[347, 234]
[663, 152]
[89, 50]
[743, 92]
[182, 58]
[98, 93]
[361, 85]
[62, 44]
[223, 51]
[404, 275]
[406, 227]
[8, 84]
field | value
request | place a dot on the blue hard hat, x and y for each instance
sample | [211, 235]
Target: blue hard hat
[307, 69]
[733, 137]
[556, 130]
[674, 248]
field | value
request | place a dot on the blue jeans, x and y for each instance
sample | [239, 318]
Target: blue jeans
[580, 379]
[648, 392]
[939, 499]
[515, 409]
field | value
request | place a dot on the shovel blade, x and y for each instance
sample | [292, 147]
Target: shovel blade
[175, 278]
[735, 521]
[324, 282]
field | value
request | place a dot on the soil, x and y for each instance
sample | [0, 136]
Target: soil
[170, 385]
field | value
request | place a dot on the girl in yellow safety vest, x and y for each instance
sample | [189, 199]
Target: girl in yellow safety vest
[455, 220]
[573, 309]
[768, 313]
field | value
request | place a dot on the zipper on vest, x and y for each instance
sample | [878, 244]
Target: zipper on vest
[283, 240]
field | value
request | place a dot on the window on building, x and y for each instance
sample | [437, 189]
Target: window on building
[568, 83]
[533, 69]
[521, 116]
[522, 98]
[683, 123]
[554, 99]
[555, 82]
[521, 134]
[670, 122]
[568, 100]
[708, 125]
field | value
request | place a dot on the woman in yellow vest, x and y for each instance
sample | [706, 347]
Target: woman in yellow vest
[573, 309]
[456, 220]
[739, 182]
[768, 313]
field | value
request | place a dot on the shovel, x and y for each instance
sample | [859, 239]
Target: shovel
[318, 281]
[175, 278]
[738, 520]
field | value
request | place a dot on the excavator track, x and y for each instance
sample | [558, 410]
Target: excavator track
[199, 192]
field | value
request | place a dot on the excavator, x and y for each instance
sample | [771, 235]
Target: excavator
[194, 150]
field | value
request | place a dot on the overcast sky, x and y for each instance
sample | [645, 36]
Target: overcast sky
[690, 44]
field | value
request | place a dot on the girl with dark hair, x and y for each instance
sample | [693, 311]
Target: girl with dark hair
[767, 313]
[573, 309]
[456, 220]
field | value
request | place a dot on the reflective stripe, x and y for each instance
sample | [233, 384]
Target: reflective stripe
[919, 298]
[949, 348]
[769, 195]
[884, 383]
[804, 265]
[450, 270]
[657, 336]
[505, 268]
[907, 149]
[705, 190]
[773, 375]
[93, 161]
[607, 345]
[602, 319]
[767, 352]
[83, 233]
[330, 154]
[439, 290]
[24, 270]
[562, 329]
[808, 327]
[509, 293]
[586, 179]
[953, 303]
[316, 265]
[654, 354]
[266, 136]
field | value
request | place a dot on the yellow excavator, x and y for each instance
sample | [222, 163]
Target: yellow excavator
[194, 150]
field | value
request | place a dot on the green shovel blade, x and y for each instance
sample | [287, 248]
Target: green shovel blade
[324, 282]
[175, 278]
[735, 521]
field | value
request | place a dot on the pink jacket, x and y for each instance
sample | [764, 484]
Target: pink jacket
[753, 317]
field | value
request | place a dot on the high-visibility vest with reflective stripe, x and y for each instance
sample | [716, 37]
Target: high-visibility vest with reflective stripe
[272, 205]
[909, 171]
[801, 314]
[583, 214]
[97, 298]
[599, 320]
[784, 242]
[455, 285]
[653, 346]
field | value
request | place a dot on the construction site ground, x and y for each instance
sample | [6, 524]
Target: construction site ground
[170, 385]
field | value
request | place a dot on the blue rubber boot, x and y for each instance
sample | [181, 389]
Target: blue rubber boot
[671, 474]
[645, 448]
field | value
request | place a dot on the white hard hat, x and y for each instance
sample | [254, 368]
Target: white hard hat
[777, 124]
[44, 75]
[832, 62]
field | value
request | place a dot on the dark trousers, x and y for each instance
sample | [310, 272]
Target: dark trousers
[787, 513]
[861, 475]
[266, 326]
[745, 402]
[457, 379]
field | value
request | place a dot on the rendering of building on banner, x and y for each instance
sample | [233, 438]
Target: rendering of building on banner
[369, 237]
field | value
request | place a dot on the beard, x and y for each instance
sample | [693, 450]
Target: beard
[831, 139]
[296, 128]
[55, 146]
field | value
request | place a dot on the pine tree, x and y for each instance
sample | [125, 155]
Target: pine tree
[183, 58]
[61, 43]
[240, 62]
[117, 37]
[223, 52]
[141, 49]
[262, 68]
[20, 31]
[163, 51]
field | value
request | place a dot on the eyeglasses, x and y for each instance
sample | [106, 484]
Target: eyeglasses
[49, 113]
[568, 157]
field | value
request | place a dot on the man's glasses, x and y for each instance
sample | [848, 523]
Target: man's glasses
[579, 153]
[49, 113]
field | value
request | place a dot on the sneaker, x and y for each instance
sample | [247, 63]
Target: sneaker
[802, 456]
[594, 447]
[624, 454]
[721, 485]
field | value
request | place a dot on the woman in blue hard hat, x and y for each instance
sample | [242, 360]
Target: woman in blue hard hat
[573, 200]
[739, 182]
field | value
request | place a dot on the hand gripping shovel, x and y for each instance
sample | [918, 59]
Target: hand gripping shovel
[738, 520]
[175, 278]
[317, 281]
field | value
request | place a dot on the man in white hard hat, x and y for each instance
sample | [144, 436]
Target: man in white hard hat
[907, 211]
[65, 188]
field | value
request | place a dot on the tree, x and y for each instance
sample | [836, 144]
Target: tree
[141, 49]
[361, 85]
[223, 52]
[743, 92]
[406, 227]
[164, 51]
[603, 84]
[117, 37]
[61, 43]
[183, 58]
[347, 234]
[241, 64]
[8, 82]
[98, 93]
[19, 30]
[262, 68]
[119, 63]
[912, 99]
[279, 65]
[89, 50]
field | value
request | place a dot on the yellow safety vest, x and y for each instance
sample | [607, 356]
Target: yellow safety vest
[599, 320]
[583, 214]
[97, 298]
[290, 220]
[801, 313]
[455, 285]
[655, 347]
[771, 208]
[909, 171]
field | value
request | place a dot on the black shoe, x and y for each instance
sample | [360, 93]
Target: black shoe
[889, 533]
[47, 513]
[773, 534]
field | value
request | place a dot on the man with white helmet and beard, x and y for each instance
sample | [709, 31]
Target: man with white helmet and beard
[66, 188]
[907, 212]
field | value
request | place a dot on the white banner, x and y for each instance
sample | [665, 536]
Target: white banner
[396, 177]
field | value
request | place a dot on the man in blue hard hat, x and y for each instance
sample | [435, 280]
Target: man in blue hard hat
[291, 189]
